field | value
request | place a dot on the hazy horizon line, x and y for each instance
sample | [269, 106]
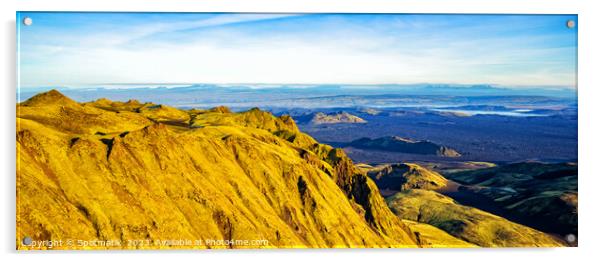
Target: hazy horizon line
[300, 85]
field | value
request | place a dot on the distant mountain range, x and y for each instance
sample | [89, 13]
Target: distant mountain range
[265, 96]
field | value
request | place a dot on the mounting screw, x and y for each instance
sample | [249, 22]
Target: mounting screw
[27, 21]
[570, 23]
[571, 238]
[27, 241]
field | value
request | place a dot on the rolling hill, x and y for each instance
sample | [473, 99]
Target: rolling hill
[404, 145]
[392, 178]
[543, 195]
[467, 223]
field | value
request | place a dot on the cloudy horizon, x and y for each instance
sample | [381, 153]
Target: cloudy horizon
[78, 49]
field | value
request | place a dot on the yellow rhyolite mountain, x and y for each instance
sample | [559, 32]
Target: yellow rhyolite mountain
[123, 171]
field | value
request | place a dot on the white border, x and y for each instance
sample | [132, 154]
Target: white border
[590, 129]
[362, 6]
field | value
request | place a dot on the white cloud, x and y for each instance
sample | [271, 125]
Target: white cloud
[354, 55]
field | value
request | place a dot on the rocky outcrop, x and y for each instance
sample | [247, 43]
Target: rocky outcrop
[337, 118]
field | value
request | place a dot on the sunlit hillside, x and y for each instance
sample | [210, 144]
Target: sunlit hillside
[126, 171]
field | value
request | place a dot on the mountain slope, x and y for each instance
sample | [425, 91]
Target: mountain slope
[467, 223]
[110, 171]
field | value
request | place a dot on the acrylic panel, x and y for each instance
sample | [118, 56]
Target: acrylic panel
[277, 130]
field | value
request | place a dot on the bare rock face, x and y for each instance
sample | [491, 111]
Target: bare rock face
[109, 170]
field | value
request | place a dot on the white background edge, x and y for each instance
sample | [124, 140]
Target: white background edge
[590, 129]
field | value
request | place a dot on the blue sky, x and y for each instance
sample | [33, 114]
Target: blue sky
[77, 49]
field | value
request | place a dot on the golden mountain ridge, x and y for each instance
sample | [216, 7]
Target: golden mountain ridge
[128, 171]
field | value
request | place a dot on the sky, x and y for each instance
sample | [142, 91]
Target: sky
[83, 49]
